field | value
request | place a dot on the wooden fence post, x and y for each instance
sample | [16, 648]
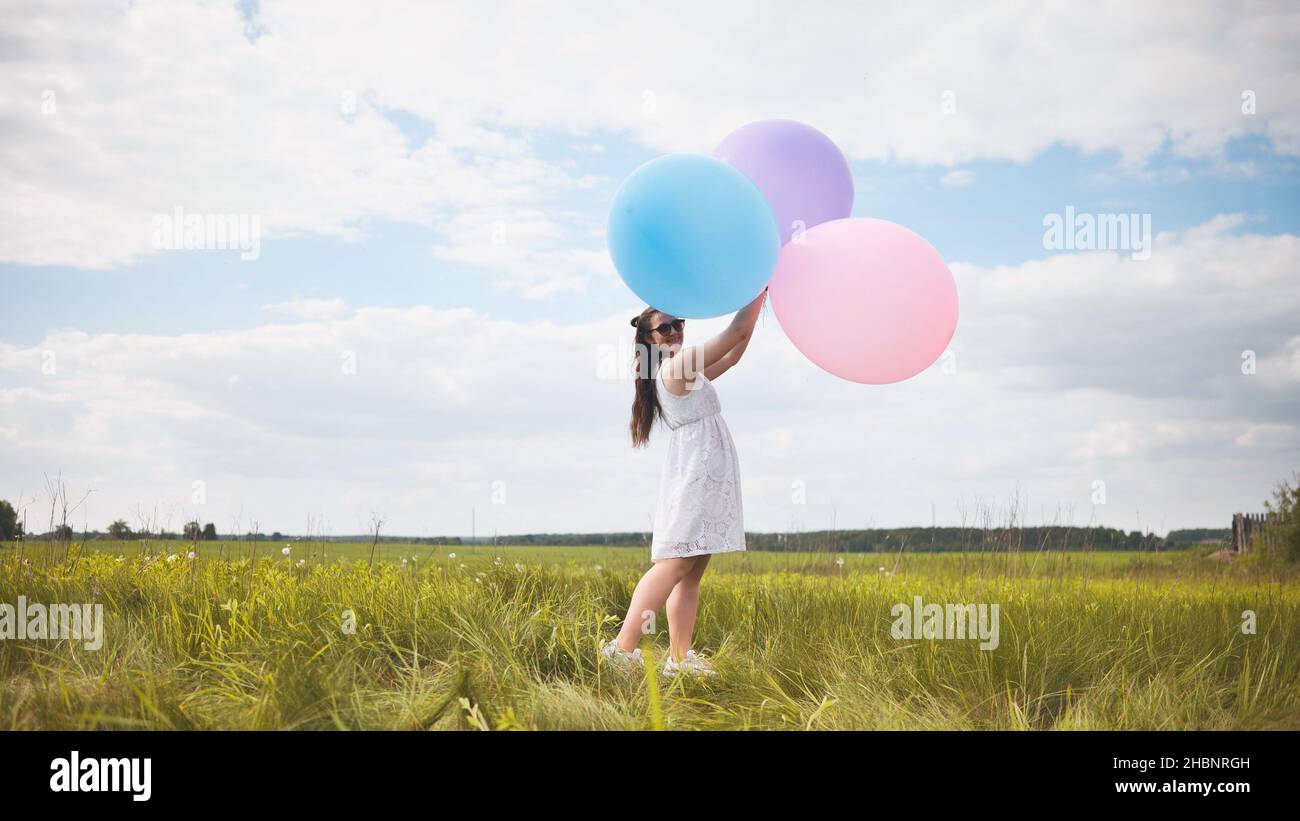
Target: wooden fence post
[1245, 526]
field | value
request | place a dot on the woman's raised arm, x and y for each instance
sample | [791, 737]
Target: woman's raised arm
[697, 358]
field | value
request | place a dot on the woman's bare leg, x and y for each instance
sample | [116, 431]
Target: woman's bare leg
[650, 594]
[683, 604]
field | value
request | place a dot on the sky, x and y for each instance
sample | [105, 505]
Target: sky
[429, 331]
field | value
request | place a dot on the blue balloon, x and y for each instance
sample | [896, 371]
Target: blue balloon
[693, 236]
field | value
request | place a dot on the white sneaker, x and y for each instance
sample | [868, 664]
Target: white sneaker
[692, 664]
[620, 656]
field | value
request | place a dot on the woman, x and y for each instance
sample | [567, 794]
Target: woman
[699, 511]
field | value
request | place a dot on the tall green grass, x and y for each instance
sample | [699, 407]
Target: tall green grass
[506, 637]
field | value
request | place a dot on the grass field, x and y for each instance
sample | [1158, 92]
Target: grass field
[507, 637]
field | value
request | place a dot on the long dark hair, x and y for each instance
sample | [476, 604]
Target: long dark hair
[645, 404]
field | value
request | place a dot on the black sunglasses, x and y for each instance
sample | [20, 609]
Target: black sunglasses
[676, 325]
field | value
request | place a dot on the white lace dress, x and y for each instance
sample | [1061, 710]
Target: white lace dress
[699, 508]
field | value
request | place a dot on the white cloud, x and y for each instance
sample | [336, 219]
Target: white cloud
[959, 178]
[1281, 371]
[1174, 325]
[528, 251]
[1270, 436]
[157, 104]
[308, 308]
[1021, 79]
[160, 105]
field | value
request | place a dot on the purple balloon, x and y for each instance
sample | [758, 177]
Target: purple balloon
[801, 172]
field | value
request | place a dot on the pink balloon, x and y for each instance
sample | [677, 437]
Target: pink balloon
[865, 299]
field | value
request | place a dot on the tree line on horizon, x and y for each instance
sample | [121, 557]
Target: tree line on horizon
[916, 539]
[1284, 508]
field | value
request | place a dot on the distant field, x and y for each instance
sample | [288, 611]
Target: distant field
[506, 637]
[1114, 564]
